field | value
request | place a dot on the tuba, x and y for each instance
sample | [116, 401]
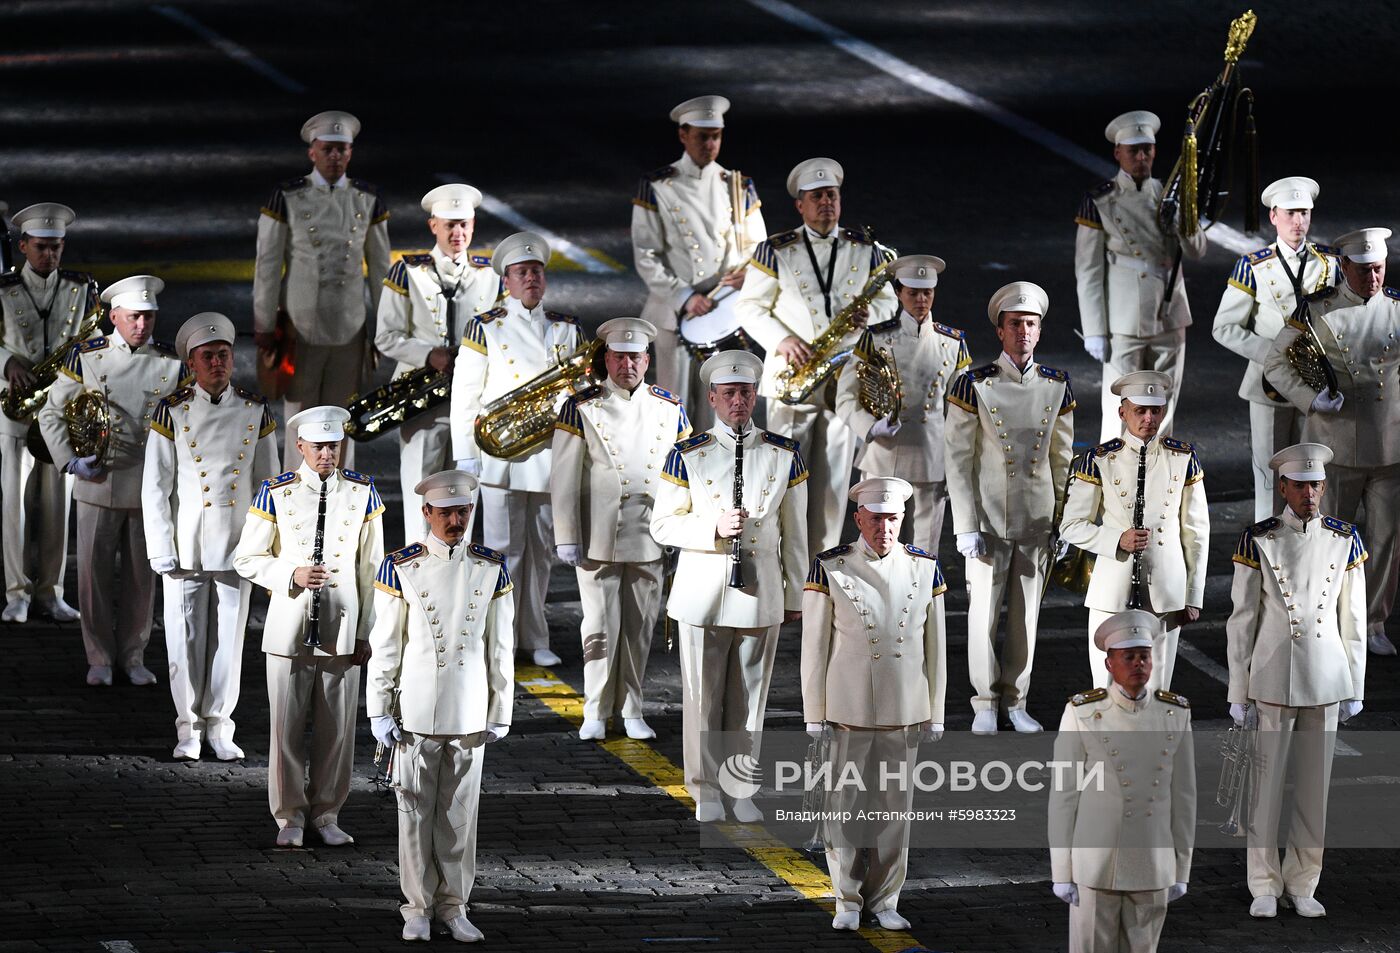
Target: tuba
[403, 398]
[829, 351]
[524, 418]
[881, 388]
[20, 406]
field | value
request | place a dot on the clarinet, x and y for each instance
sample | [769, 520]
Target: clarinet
[313, 617]
[1135, 600]
[736, 566]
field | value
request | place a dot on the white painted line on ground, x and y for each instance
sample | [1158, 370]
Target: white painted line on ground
[911, 75]
[576, 254]
[119, 946]
[234, 51]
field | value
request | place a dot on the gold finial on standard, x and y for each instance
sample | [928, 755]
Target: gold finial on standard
[1241, 28]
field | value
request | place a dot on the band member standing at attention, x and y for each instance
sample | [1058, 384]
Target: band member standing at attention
[314, 539]
[738, 517]
[503, 350]
[419, 325]
[213, 444]
[1010, 433]
[685, 241]
[133, 373]
[924, 359]
[610, 445]
[443, 662]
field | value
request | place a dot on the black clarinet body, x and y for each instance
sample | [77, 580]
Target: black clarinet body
[736, 564]
[313, 616]
[1135, 599]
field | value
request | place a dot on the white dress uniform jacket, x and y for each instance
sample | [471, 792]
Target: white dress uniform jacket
[279, 536]
[698, 485]
[201, 470]
[610, 449]
[1099, 509]
[1297, 635]
[504, 349]
[443, 637]
[135, 382]
[413, 320]
[315, 240]
[1010, 438]
[874, 643]
[37, 315]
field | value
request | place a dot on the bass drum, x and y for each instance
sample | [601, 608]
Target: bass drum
[716, 330]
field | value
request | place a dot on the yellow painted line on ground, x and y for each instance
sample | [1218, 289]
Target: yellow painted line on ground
[790, 864]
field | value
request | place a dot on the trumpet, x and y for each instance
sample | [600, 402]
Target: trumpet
[1239, 752]
[814, 796]
[384, 779]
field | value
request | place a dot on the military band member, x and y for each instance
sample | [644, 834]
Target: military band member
[503, 350]
[1118, 864]
[419, 325]
[927, 358]
[1172, 545]
[277, 551]
[135, 373]
[1356, 323]
[874, 647]
[451, 693]
[1301, 672]
[41, 307]
[1010, 435]
[213, 443]
[1122, 263]
[797, 282]
[317, 236]
[685, 244]
[729, 635]
[1265, 290]
[610, 446]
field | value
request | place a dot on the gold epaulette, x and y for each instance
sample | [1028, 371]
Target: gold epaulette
[1092, 695]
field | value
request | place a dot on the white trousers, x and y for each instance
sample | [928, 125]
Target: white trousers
[1306, 737]
[327, 690]
[116, 588]
[439, 779]
[829, 449]
[1271, 428]
[1163, 654]
[620, 605]
[725, 673]
[1117, 921]
[925, 527]
[521, 525]
[869, 860]
[325, 375]
[425, 448]
[36, 519]
[205, 615]
[1165, 352]
[1015, 569]
[1378, 490]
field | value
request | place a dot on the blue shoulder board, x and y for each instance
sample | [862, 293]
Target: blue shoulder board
[1340, 527]
[692, 442]
[1391, 293]
[561, 316]
[291, 185]
[282, 479]
[777, 440]
[1263, 254]
[246, 394]
[418, 261]
[1332, 250]
[784, 239]
[486, 553]
[411, 551]
[357, 477]
[861, 236]
[982, 373]
[9, 278]
[364, 186]
[481, 261]
[1180, 446]
[1103, 188]
[588, 393]
[93, 344]
[841, 550]
[81, 277]
[665, 172]
[1322, 294]
[949, 331]
[488, 316]
[1055, 374]
[890, 325]
[1109, 447]
[1264, 526]
[165, 348]
[913, 550]
[664, 394]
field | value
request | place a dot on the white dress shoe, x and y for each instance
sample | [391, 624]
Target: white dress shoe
[16, 610]
[57, 610]
[984, 722]
[1378, 644]
[746, 811]
[417, 928]
[593, 729]
[1305, 906]
[638, 728]
[225, 749]
[187, 750]
[141, 675]
[545, 658]
[1023, 722]
[463, 930]
[891, 920]
[708, 812]
[333, 836]
[849, 920]
[99, 675]
[289, 837]
[1264, 908]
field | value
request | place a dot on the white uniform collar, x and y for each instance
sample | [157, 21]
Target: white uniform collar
[1136, 443]
[33, 282]
[320, 180]
[1345, 291]
[1127, 184]
[868, 551]
[686, 166]
[835, 230]
[442, 550]
[724, 430]
[913, 321]
[1282, 247]
[621, 391]
[448, 264]
[1124, 700]
[1295, 522]
[1008, 365]
[207, 397]
[313, 479]
[120, 343]
[516, 308]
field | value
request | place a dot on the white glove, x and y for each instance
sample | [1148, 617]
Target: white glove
[85, 468]
[1325, 403]
[496, 732]
[568, 554]
[1238, 712]
[1069, 893]
[385, 730]
[933, 731]
[972, 545]
[884, 428]
[1176, 891]
[815, 728]
[470, 466]
[1097, 346]
[1349, 708]
[160, 565]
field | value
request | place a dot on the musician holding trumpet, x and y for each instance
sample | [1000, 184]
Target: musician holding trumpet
[313, 538]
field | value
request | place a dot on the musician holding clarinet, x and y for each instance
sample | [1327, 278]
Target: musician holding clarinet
[1138, 503]
[314, 539]
[734, 501]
